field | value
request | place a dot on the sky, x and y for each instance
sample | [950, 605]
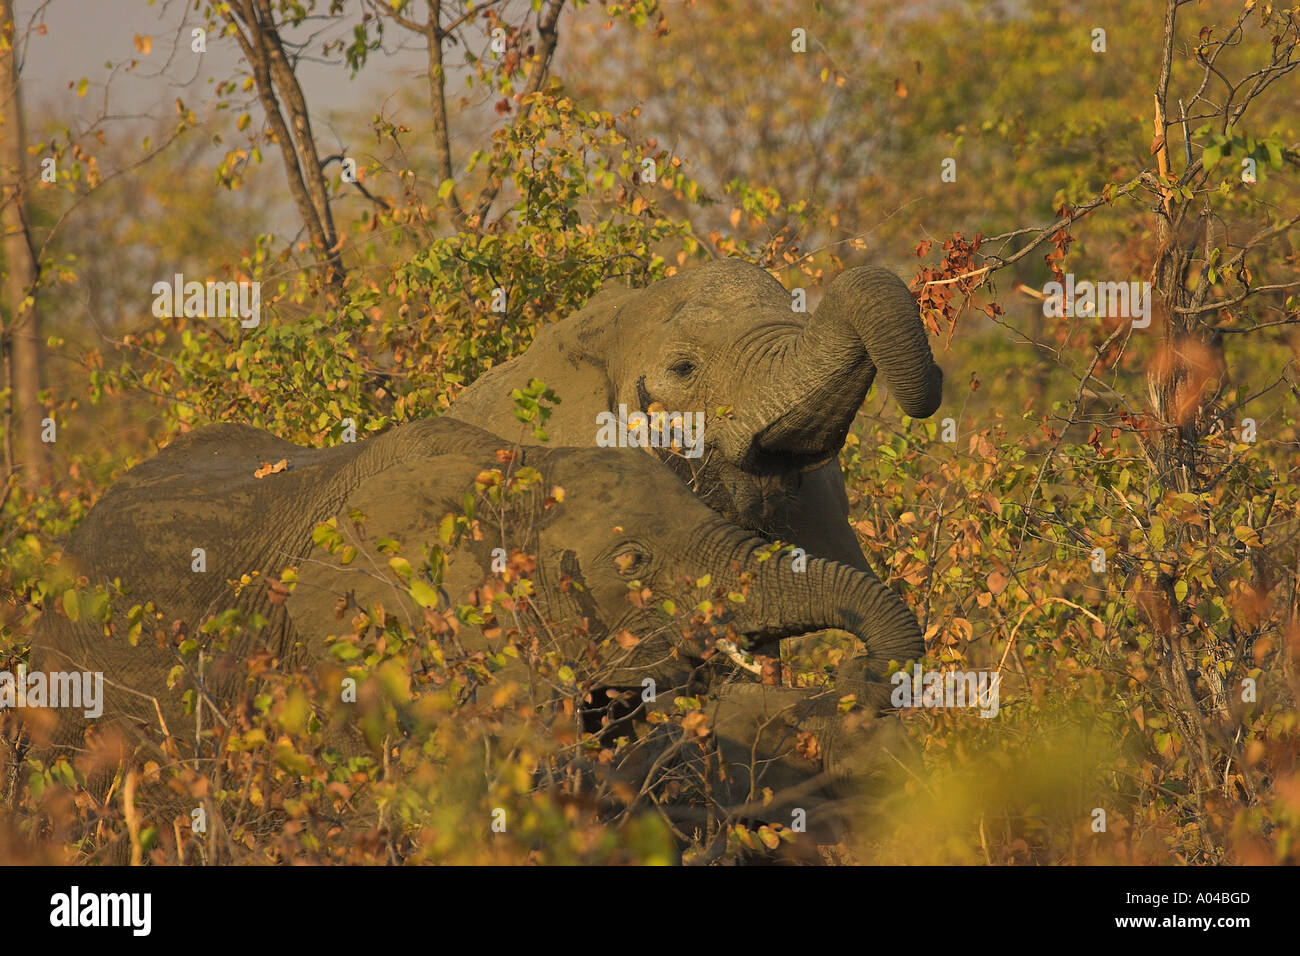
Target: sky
[82, 37]
[101, 41]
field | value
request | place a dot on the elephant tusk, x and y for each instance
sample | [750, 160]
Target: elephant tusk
[734, 654]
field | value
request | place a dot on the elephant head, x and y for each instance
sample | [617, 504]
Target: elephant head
[777, 390]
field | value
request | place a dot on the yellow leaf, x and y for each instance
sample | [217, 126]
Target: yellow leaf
[424, 595]
[447, 527]
[70, 606]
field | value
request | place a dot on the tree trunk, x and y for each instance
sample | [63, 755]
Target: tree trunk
[23, 332]
[275, 81]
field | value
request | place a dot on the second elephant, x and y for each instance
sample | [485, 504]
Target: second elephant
[606, 549]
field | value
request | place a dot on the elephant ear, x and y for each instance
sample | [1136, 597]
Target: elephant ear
[594, 328]
[574, 357]
[571, 356]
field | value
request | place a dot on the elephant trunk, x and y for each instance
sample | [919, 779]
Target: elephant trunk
[786, 599]
[867, 320]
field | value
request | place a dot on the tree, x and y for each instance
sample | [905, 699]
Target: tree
[24, 412]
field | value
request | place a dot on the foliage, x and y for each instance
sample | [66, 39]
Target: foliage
[1161, 690]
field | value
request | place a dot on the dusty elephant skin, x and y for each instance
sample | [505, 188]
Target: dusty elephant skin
[623, 519]
[723, 336]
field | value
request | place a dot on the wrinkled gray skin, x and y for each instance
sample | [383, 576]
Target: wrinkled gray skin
[623, 518]
[860, 756]
[723, 335]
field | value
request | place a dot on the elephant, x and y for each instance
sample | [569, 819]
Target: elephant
[596, 524]
[777, 393]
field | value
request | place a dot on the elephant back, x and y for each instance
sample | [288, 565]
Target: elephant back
[217, 503]
[175, 531]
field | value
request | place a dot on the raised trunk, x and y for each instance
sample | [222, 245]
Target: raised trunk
[867, 321]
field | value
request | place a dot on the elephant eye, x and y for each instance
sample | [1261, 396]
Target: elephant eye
[682, 368]
[630, 562]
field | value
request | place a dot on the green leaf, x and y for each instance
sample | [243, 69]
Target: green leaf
[468, 614]
[1210, 158]
[423, 595]
[70, 605]
[99, 609]
[323, 533]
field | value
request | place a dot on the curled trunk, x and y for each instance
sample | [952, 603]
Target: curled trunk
[867, 321]
[785, 600]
